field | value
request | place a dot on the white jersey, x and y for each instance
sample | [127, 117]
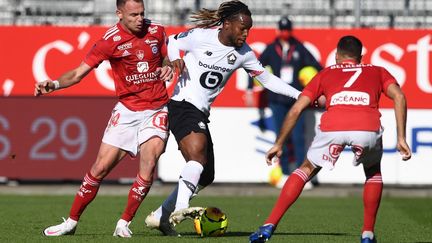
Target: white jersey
[209, 64]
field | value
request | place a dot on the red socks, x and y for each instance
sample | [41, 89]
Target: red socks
[86, 193]
[137, 193]
[371, 200]
[289, 194]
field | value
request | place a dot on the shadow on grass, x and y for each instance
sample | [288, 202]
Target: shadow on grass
[239, 233]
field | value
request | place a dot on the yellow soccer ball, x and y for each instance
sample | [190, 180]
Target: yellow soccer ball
[306, 74]
[275, 175]
[213, 222]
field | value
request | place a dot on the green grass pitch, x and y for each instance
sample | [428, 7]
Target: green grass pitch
[310, 219]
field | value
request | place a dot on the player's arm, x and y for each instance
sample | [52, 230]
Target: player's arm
[395, 93]
[276, 85]
[69, 78]
[290, 120]
[254, 68]
[183, 41]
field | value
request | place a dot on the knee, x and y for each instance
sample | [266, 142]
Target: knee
[99, 170]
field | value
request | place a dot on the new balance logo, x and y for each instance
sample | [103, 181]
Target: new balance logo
[208, 53]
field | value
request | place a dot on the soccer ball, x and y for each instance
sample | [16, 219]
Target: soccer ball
[213, 222]
[275, 175]
[306, 74]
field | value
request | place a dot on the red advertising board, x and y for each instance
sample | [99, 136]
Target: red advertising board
[46, 52]
[54, 138]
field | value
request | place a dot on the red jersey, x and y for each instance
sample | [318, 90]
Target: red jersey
[352, 94]
[134, 61]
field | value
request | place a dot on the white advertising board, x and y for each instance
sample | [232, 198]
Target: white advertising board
[240, 145]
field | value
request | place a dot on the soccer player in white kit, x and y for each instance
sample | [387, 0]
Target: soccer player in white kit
[352, 90]
[211, 57]
[136, 48]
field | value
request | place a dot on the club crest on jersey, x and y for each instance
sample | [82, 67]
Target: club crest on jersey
[142, 67]
[231, 58]
[140, 54]
[154, 49]
[160, 120]
[152, 30]
[117, 38]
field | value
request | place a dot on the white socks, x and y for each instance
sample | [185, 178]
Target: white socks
[188, 182]
[368, 234]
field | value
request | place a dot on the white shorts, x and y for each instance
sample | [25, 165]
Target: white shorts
[128, 129]
[327, 147]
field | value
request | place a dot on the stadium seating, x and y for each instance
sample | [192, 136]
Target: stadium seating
[305, 13]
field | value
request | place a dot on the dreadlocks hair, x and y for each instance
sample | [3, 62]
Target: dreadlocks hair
[206, 18]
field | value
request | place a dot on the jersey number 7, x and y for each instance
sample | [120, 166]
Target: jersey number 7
[354, 77]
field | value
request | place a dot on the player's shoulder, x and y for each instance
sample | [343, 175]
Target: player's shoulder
[154, 26]
[112, 34]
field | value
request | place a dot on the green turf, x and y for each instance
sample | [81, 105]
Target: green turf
[22, 219]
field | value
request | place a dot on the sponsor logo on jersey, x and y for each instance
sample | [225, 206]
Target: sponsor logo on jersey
[142, 67]
[148, 41]
[350, 98]
[152, 30]
[140, 54]
[117, 38]
[208, 53]
[214, 67]
[154, 49]
[126, 53]
[142, 77]
[125, 46]
[231, 58]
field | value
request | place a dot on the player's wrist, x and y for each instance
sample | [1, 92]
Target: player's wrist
[56, 84]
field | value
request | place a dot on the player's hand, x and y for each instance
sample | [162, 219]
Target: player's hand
[404, 149]
[320, 102]
[179, 66]
[44, 87]
[276, 150]
[165, 73]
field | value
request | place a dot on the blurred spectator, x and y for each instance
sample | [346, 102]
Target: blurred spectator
[286, 57]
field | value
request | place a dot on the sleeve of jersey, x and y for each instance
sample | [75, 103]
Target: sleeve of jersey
[97, 54]
[387, 79]
[275, 84]
[254, 68]
[183, 41]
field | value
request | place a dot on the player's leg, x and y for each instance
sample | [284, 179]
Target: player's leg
[367, 148]
[289, 194]
[107, 158]
[159, 219]
[371, 200]
[150, 152]
[194, 149]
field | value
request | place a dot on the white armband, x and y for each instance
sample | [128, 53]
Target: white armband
[56, 84]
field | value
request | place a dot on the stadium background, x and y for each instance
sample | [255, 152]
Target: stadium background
[56, 138]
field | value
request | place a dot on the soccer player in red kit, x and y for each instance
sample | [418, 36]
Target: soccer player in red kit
[352, 91]
[135, 48]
